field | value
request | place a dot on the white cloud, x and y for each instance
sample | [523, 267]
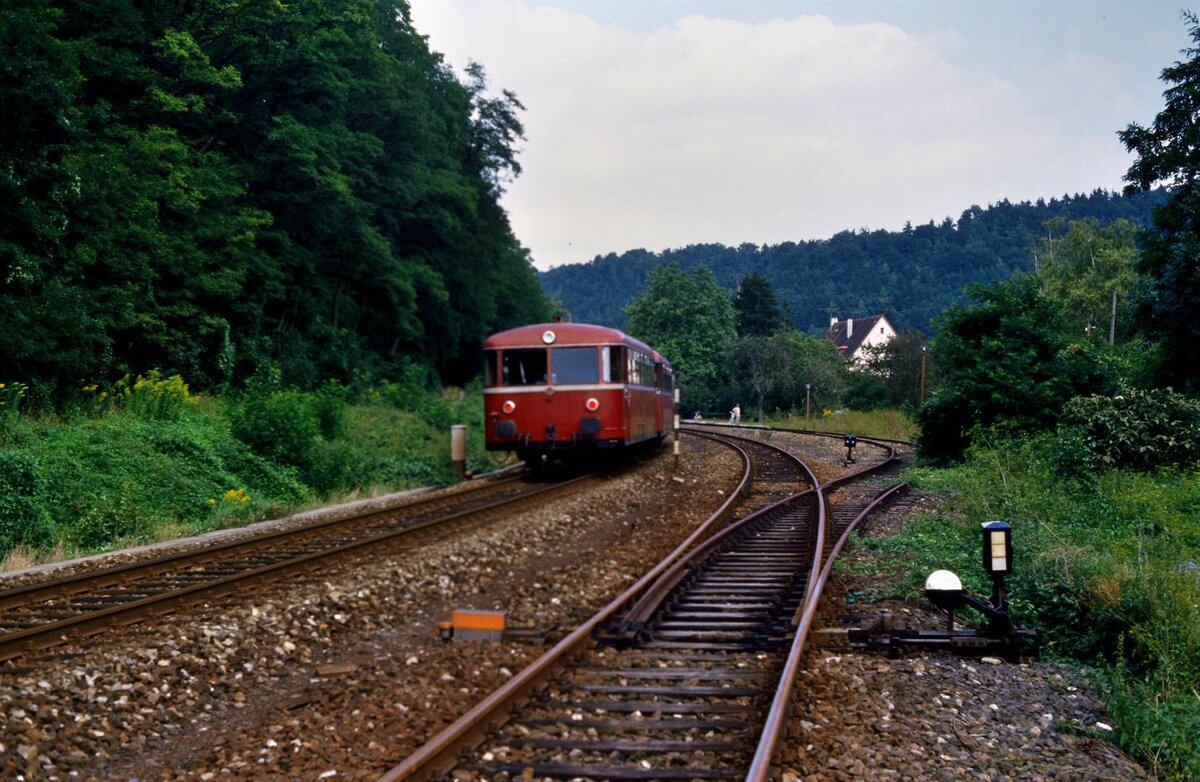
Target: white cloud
[722, 130]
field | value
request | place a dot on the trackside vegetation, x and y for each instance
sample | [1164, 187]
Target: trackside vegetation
[148, 460]
[1067, 406]
[1106, 567]
[213, 190]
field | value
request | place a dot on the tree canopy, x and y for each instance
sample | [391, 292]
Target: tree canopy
[912, 274]
[688, 318]
[1088, 267]
[217, 188]
[1006, 362]
[759, 313]
[1168, 153]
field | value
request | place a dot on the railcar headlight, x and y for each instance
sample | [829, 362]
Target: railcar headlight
[508, 406]
[592, 404]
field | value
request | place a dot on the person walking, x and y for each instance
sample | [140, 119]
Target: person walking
[735, 415]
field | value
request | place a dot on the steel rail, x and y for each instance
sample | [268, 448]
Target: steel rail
[641, 612]
[776, 721]
[439, 754]
[765, 428]
[91, 579]
[19, 642]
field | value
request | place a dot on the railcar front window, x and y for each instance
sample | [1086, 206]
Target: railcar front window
[574, 366]
[524, 367]
[489, 367]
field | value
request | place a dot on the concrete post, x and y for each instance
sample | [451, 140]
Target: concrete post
[458, 449]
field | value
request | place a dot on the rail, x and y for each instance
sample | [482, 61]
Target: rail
[776, 721]
[133, 605]
[437, 755]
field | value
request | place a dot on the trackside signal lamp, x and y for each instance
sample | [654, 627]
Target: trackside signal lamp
[850, 441]
[997, 548]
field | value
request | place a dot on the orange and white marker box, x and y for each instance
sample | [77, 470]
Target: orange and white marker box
[472, 624]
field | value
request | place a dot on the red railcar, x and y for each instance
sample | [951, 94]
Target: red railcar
[564, 388]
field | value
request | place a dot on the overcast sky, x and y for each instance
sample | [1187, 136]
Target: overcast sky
[662, 123]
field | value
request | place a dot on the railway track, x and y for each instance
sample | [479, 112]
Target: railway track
[685, 676]
[46, 613]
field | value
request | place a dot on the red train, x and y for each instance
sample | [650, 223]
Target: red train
[566, 388]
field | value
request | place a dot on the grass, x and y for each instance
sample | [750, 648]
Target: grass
[885, 424]
[1105, 566]
[160, 463]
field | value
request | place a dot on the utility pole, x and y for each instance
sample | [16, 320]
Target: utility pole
[924, 350]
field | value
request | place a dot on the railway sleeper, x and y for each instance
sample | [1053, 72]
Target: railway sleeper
[564, 771]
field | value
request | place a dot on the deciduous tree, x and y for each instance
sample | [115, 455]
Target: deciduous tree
[1168, 153]
[688, 318]
[1005, 363]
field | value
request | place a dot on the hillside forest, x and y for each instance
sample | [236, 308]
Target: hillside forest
[912, 275]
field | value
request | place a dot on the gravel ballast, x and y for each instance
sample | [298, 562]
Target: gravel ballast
[939, 717]
[344, 672]
[341, 675]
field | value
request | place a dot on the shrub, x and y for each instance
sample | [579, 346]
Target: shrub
[1006, 366]
[11, 395]
[280, 425]
[1139, 430]
[23, 520]
[152, 397]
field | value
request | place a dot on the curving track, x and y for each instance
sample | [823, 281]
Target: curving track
[687, 676]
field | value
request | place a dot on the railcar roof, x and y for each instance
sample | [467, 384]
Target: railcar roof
[567, 334]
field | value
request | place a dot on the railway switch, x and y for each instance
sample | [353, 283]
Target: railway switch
[998, 635]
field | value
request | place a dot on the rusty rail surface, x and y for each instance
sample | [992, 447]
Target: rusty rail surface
[439, 754]
[776, 721]
[131, 605]
[653, 599]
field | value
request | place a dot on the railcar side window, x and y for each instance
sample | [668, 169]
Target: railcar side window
[615, 366]
[524, 367]
[641, 369]
[574, 365]
[663, 378]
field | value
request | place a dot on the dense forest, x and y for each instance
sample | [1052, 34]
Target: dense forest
[912, 275]
[220, 189]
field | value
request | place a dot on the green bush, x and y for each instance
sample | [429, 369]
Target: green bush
[23, 520]
[1139, 430]
[11, 395]
[1006, 366]
[280, 425]
[130, 464]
